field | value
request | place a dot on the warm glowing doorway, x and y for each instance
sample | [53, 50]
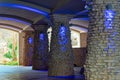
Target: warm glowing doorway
[9, 49]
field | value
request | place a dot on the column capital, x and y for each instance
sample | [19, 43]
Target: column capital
[61, 18]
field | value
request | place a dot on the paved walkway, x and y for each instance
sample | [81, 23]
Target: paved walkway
[26, 73]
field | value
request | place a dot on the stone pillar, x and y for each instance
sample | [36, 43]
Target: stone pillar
[103, 57]
[26, 46]
[40, 56]
[61, 57]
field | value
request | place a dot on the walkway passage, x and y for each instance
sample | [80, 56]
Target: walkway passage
[26, 73]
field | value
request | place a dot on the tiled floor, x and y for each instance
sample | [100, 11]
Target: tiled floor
[26, 73]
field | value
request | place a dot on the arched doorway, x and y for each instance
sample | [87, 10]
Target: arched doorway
[9, 47]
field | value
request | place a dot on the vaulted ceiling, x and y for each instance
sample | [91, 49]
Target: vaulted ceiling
[23, 13]
[60, 6]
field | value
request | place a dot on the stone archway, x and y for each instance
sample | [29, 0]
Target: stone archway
[24, 45]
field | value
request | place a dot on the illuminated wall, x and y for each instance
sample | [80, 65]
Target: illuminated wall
[75, 38]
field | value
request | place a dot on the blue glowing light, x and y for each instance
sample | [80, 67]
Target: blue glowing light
[41, 36]
[108, 15]
[30, 40]
[42, 42]
[15, 20]
[62, 38]
[24, 7]
[63, 76]
[43, 70]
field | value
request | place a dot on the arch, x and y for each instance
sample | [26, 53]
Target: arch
[10, 27]
[16, 17]
[28, 7]
[14, 24]
[17, 28]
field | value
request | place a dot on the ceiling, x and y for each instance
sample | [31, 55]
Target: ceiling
[23, 13]
[60, 6]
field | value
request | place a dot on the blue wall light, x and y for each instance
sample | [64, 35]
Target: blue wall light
[62, 37]
[41, 36]
[30, 40]
[108, 16]
[24, 7]
[41, 44]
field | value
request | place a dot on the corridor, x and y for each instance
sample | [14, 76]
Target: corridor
[26, 73]
[58, 35]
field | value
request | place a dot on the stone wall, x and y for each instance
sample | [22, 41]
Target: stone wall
[40, 56]
[61, 56]
[103, 58]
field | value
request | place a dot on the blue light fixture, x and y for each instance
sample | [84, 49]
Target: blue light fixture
[62, 37]
[30, 40]
[24, 7]
[41, 36]
[108, 16]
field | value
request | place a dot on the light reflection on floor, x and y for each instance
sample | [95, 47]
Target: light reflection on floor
[26, 73]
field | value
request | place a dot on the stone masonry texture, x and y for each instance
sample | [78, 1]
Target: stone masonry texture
[40, 56]
[60, 61]
[103, 57]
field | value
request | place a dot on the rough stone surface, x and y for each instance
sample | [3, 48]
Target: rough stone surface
[61, 57]
[102, 61]
[40, 56]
